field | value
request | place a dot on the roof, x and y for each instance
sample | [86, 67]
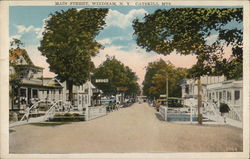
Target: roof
[22, 52]
[51, 82]
[33, 66]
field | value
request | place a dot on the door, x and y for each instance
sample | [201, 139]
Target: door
[29, 96]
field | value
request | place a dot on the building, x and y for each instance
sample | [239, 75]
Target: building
[227, 92]
[190, 88]
[84, 95]
[33, 86]
[216, 90]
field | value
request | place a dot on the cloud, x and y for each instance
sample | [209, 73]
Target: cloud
[105, 41]
[211, 39]
[17, 36]
[21, 29]
[42, 29]
[118, 19]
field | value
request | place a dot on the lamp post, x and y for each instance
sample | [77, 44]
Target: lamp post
[166, 109]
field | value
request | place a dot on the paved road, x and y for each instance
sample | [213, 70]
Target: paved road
[132, 129]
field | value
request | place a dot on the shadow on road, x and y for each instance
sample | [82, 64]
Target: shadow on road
[159, 117]
[11, 131]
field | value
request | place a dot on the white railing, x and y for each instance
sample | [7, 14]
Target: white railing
[234, 114]
[163, 112]
[34, 106]
[58, 106]
[211, 111]
[95, 112]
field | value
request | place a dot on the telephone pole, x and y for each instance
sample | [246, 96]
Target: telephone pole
[166, 90]
[199, 101]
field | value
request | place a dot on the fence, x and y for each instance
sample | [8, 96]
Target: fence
[95, 112]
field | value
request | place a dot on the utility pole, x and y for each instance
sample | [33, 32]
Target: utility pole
[166, 90]
[199, 101]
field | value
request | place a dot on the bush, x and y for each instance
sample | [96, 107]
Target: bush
[57, 114]
[224, 108]
[76, 114]
[13, 117]
[67, 114]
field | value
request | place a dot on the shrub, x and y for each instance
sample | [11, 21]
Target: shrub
[76, 114]
[67, 114]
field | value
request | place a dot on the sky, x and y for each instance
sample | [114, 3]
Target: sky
[27, 24]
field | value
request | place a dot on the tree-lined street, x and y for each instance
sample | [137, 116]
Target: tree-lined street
[132, 129]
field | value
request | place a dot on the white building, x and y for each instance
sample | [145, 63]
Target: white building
[34, 86]
[82, 95]
[190, 88]
[228, 92]
[215, 91]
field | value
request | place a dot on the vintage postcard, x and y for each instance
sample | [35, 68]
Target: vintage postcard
[124, 79]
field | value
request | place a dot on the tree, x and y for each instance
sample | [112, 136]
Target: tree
[15, 80]
[154, 83]
[15, 76]
[69, 43]
[187, 30]
[120, 78]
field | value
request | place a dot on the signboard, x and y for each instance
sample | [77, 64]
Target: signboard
[102, 80]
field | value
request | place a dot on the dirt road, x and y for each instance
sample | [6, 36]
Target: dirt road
[132, 129]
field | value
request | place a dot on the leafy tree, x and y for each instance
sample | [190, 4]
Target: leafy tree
[16, 72]
[120, 78]
[69, 43]
[187, 30]
[15, 76]
[154, 83]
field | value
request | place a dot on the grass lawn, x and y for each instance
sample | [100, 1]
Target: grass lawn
[49, 123]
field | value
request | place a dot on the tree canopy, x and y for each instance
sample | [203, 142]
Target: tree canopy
[121, 79]
[154, 83]
[15, 79]
[69, 43]
[190, 30]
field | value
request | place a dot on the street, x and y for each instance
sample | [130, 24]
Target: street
[132, 129]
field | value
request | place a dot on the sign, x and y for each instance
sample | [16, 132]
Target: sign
[102, 80]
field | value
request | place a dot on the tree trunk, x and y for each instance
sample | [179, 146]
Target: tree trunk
[199, 101]
[70, 88]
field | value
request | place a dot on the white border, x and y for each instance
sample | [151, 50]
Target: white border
[4, 87]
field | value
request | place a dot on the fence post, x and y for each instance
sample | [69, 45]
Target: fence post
[165, 113]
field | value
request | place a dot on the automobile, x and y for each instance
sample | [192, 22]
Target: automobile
[159, 102]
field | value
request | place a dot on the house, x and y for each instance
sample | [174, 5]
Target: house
[190, 88]
[33, 86]
[216, 90]
[82, 95]
[228, 92]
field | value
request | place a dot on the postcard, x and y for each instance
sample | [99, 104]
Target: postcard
[124, 79]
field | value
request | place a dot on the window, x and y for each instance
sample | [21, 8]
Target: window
[34, 93]
[220, 95]
[224, 94]
[236, 95]
[228, 95]
[23, 92]
[209, 96]
[186, 89]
